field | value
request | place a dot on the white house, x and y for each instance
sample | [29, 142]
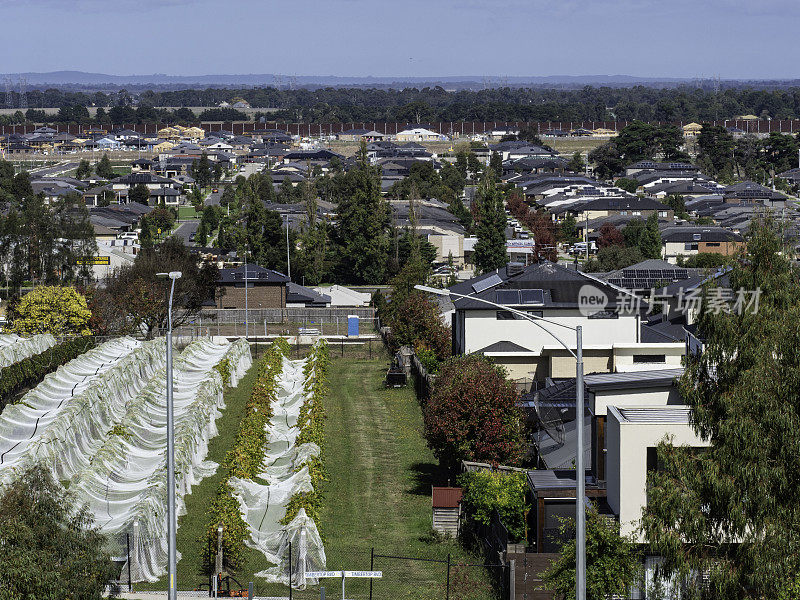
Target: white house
[419, 134]
[554, 292]
[633, 435]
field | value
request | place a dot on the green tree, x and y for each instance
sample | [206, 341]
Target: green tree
[363, 223]
[730, 511]
[104, 169]
[141, 297]
[607, 160]
[716, 146]
[139, 193]
[490, 249]
[612, 258]
[568, 230]
[202, 172]
[145, 233]
[612, 562]
[51, 309]
[51, 548]
[496, 165]
[84, 169]
[629, 185]
[576, 164]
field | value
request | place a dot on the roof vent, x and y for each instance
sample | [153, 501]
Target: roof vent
[514, 268]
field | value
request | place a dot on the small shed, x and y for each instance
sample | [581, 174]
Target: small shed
[446, 510]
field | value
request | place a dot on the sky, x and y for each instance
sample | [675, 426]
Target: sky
[750, 39]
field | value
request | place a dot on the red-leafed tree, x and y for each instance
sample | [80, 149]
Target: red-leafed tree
[610, 236]
[517, 205]
[472, 414]
[415, 321]
[544, 235]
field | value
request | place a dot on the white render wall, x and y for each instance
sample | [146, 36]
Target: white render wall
[482, 328]
[626, 463]
[623, 356]
[635, 397]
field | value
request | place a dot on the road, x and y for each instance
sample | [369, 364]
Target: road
[186, 229]
[214, 197]
[56, 170]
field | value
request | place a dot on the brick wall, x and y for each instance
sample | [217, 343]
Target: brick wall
[261, 296]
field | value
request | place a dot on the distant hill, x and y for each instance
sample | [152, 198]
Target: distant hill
[83, 79]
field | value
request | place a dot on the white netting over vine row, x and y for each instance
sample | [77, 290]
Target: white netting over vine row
[285, 470]
[125, 481]
[21, 424]
[100, 422]
[14, 348]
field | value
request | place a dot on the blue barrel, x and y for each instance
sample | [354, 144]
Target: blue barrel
[352, 325]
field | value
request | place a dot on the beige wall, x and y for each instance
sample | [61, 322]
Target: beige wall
[626, 463]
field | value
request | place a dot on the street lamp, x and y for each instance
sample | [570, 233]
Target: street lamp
[172, 524]
[580, 479]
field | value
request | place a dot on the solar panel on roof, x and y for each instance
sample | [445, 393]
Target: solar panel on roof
[485, 284]
[681, 274]
[507, 296]
[532, 296]
[630, 273]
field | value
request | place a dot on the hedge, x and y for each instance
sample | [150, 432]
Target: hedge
[30, 371]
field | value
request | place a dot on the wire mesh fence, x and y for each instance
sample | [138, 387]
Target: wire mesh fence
[368, 575]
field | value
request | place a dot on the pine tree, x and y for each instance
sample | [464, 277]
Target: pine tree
[104, 169]
[490, 250]
[363, 223]
[496, 165]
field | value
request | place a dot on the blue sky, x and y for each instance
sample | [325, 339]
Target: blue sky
[670, 38]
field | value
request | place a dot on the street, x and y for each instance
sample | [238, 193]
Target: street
[186, 229]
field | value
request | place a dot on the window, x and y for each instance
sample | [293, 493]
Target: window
[505, 315]
[662, 214]
[649, 358]
[712, 244]
[689, 246]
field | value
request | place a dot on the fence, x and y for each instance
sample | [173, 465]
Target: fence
[450, 128]
[402, 578]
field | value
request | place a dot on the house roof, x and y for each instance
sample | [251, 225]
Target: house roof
[634, 379]
[296, 294]
[699, 234]
[653, 414]
[547, 284]
[503, 346]
[624, 203]
[446, 497]
[255, 274]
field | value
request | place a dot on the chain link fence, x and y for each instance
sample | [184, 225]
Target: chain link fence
[401, 578]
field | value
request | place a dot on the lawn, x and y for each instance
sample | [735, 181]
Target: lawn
[377, 495]
[188, 212]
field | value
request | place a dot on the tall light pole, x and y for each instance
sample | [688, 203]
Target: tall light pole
[172, 523]
[246, 323]
[288, 256]
[580, 477]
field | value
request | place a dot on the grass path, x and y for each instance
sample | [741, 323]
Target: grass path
[378, 494]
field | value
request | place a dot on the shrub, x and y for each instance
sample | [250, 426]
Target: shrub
[473, 414]
[52, 309]
[487, 491]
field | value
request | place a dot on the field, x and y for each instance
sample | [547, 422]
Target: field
[377, 494]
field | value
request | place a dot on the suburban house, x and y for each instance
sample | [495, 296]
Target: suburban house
[687, 241]
[419, 134]
[611, 334]
[265, 288]
[356, 135]
[633, 206]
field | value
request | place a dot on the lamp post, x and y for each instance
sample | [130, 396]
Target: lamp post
[580, 478]
[288, 256]
[172, 524]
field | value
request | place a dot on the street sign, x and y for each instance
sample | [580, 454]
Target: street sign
[322, 574]
[94, 260]
[343, 575]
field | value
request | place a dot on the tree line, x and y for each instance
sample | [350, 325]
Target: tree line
[334, 105]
